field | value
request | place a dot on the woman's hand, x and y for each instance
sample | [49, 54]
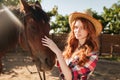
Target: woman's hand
[65, 69]
[50, 44]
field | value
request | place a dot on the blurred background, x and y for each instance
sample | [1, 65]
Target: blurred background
[106, 11]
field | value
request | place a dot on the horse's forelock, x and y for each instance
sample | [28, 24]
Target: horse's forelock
[39, 14]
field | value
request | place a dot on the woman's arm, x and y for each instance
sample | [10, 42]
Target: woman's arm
[65, 69]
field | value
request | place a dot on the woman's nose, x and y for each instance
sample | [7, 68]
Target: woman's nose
[79, 29]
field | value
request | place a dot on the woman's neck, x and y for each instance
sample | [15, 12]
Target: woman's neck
[82, 41]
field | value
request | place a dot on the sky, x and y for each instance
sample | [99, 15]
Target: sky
[69, 6]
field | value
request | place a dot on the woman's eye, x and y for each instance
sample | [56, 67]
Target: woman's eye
[34, 29]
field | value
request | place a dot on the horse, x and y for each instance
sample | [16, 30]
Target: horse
[29, 36]
[36, 26]
[9, 32]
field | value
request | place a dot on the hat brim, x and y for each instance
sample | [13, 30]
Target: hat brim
[96, 23]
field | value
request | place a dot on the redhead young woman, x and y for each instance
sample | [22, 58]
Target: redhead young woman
[80, 55]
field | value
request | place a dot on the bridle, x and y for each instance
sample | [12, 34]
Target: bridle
[29, 48]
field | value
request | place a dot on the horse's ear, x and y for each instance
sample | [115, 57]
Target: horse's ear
[24, 7]
[38, 4]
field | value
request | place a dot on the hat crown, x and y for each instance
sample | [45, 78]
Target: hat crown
[88, 12]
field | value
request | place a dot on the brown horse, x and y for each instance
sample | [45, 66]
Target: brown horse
[36, 26]
[9, 32]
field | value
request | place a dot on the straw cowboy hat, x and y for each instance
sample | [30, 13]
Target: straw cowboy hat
[87, 15]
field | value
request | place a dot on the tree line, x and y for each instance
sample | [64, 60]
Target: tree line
[110, 17]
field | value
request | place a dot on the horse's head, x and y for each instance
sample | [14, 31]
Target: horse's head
[36, 24]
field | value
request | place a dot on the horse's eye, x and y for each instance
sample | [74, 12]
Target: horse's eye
[33, 28]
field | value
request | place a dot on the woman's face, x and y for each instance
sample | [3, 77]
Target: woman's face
[79, 30]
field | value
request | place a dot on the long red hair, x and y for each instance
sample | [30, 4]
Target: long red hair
[91, 43]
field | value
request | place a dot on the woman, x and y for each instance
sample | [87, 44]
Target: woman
[80, 55]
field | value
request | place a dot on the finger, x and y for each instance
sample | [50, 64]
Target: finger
[47, 38]
[43, 39]
[44, 42]
[45, 45]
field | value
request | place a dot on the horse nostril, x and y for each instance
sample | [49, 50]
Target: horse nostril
[47, 61]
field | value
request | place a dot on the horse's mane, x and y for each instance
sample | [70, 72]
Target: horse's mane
[39, 14]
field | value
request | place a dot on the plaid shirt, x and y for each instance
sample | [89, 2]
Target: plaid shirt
[80, 73]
